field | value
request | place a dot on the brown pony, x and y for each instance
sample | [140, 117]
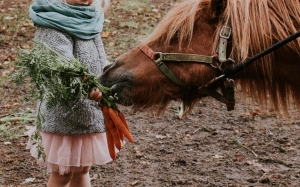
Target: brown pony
[193, 27]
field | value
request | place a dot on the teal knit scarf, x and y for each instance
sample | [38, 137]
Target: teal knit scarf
[84, 22]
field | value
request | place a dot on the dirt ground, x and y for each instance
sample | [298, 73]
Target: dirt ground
[209, 147]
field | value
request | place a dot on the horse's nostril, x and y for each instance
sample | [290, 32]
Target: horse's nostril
[107, 67]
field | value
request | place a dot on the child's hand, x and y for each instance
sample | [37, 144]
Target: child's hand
[95, 95]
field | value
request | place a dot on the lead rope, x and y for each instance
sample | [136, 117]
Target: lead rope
[229, 84]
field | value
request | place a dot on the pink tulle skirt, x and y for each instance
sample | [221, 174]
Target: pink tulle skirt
[66, 154]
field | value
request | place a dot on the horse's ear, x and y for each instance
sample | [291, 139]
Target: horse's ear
[218, 6]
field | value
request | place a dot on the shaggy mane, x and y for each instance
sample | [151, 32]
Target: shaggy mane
[263, 24]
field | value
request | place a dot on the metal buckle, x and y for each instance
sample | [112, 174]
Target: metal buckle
[218, 65]
[225, 32]
[159, 58]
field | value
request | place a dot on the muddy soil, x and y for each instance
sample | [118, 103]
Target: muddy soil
[208, 147]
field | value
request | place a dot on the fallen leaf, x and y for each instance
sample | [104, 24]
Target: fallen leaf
[235, 132]
[27, 127]
[239, 159]
[3, 30]
[23, 144]
[253, 162]
[25, 46]
[9, 17]
[138, 152]
[16, 122]
[5, 73]
[104, 34]
[28, 180]
[266, 170]
[256, 112]
[134, 183]
[158, 15]
[8, 106]
[111, 44]
[114, 33]
[10, 57]
[217, 156]
[257, 165]
[145, 163]
[160, 137]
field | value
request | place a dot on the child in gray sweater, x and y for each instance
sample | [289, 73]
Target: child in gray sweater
[73, 139]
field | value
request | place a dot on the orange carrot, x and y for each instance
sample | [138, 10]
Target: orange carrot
[105, 112]
[110, 126]
[121, 135]
[123, 119]
[119, 124]
[111, 147]
[111, 133]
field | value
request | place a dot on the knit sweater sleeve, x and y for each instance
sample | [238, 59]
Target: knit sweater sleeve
[56, 40]
[100, 47]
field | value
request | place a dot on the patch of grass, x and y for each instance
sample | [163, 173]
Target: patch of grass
[146, 28]
[3, 81]
[130, 5]
[12, 126]
[8, 133]
[130, 21]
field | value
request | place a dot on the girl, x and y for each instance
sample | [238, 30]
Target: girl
[75, 139]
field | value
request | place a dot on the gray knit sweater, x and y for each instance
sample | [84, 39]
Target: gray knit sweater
[86, 116]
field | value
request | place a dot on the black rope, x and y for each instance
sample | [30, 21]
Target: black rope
[232, 71]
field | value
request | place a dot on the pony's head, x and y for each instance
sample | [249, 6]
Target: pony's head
[193, 27]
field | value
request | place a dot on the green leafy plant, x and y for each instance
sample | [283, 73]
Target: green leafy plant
[10, 124]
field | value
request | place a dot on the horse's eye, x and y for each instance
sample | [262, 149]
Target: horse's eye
[176, 35]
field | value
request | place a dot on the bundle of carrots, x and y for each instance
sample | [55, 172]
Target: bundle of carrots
[116, 129]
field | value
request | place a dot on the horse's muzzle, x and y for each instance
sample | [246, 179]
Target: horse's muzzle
[121, 84]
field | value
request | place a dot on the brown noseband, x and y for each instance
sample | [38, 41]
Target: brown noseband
[159, 58]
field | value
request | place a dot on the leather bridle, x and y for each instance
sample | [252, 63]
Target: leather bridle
[219, 59]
